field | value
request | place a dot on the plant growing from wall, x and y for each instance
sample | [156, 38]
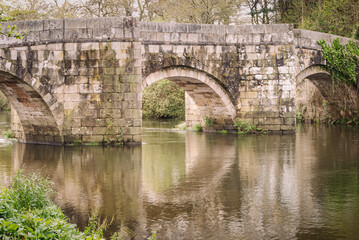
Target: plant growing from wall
[300, 114]
[9, 134]
[209, 122]
[341, 61]
[197, 128]
[243, 127]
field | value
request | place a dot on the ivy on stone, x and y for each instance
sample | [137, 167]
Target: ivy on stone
[341, 61]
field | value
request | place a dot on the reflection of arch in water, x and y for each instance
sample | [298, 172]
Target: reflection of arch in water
[34, 104]
[338, 96]
[205, 96]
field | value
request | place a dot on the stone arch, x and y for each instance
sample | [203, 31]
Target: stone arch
[338, 96]
[33, 104]
[205, 96]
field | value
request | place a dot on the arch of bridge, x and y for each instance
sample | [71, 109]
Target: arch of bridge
[203, 89]
[33, 104]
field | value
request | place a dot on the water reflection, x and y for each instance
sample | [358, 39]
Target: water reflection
[207, 186]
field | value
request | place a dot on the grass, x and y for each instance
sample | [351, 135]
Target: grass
[197, 128]
[208, 122]
[243, 127]
[9, 134]
[27, 212]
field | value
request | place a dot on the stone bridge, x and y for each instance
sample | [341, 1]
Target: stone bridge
[75, 80]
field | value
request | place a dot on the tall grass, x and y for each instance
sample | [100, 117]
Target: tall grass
[27, 212]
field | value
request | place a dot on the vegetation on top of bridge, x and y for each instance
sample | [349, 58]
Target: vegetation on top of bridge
[342, 62]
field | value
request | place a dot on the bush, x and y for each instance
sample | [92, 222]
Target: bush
[163, 99]
[197, 128]
[244, 127]
[27, 212]
[341, 61]
[209, 122]
[8, 133]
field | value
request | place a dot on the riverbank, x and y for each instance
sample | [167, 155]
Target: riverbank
[27, 212]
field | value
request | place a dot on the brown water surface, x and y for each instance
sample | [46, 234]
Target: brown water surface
[188, 185]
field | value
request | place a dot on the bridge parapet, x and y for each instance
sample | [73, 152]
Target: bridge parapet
[205, 34]
[74, 30]
[308, 39]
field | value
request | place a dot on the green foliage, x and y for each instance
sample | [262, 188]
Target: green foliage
[224, 132]
[27, 212]
[209, 122]
[197, 128]
[77, 142]
[11, 30]
[300, 114]
[95, 227]
[356, 32]
[163, 99]
[8, 133]
[331, 16]
[153, 236]
[243, 126]
[341, 61]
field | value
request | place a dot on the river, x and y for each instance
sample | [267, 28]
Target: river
[187, 185]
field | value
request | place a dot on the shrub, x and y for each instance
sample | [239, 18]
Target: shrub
[27, 212]
[163, 99]
[243, 126]
[341, 61]
[208, 122]
[197, 128]
[8, 133]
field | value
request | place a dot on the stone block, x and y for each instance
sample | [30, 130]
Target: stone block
[92, 138]
[75, 23]
[53, 24]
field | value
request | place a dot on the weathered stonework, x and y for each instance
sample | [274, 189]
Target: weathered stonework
[82, 79]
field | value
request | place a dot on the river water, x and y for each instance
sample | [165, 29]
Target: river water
[188, 185]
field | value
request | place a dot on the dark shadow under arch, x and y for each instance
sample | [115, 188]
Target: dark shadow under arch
[38, 124]
[338, 95]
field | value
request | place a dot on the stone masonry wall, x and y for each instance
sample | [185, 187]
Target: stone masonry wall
[80, 80]
[254, 63]
[87, 73]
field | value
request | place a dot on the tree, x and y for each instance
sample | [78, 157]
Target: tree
[64, 10]
[196, 11]
[11, 30]
[339, 17]
[29, 9]
[262, 11]
[114, 8]
[163, 99]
